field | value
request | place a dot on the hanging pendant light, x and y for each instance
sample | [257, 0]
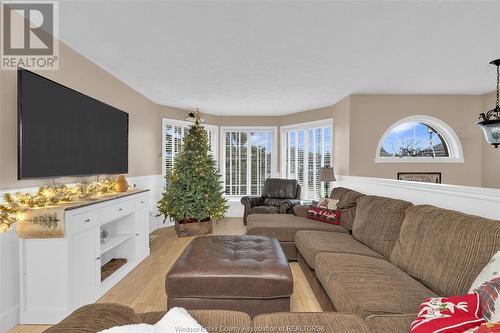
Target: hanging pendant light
[490, 122]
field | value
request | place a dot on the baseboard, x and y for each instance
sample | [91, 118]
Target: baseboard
[9, 319]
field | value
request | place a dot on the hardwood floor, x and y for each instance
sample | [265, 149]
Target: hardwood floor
[144, 288]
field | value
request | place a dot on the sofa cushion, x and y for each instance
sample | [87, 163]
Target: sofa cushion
[96, 317]
[212, 320]
[377, 222]
[367, 286]
[390, 323]
[310, 243]
[309, 322]
[284, 226]
[347, 204]
[264, 210]
[445, 249]
[300, 210]
[275, 202]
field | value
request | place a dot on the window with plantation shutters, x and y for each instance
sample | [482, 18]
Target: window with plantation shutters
[248, 158]
[173, 135]
[305, 149]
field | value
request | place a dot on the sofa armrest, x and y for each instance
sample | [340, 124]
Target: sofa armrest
[300, 210]
[287, 204]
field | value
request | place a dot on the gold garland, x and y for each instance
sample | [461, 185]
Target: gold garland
[17, 204]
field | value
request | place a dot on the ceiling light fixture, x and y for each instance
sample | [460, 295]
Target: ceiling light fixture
[490, 122]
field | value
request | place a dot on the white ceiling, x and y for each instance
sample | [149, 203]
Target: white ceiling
[275, 58]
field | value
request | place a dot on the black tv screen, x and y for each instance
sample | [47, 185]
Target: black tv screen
[62, 132]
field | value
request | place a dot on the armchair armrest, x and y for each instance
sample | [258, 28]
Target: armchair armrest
[252, 201]
[248, 203]
[300, 210]
[287, 204]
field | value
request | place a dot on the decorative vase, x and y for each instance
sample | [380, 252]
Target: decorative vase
[121, 184]
[191, 227]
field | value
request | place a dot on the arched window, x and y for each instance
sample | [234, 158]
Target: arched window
[419, 139]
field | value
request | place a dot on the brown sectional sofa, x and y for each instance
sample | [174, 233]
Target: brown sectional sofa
[395, 255]
[96, 317]
[387, 255]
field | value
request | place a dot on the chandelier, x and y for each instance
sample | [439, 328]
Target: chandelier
[490, 122]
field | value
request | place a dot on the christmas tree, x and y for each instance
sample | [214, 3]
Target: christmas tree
[194, 190]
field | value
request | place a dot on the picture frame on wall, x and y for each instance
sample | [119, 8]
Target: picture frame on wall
[422, 177]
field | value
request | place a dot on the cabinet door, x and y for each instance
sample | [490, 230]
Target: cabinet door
[141, 233]
[86, 261]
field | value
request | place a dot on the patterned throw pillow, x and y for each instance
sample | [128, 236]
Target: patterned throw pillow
[328, 203]
[323, 215]
[486, 328]
[487, 285]
[448, 315]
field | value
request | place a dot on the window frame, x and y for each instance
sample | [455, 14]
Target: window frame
[447, 133]
[306, 126]
[175, 122]
[222, 144]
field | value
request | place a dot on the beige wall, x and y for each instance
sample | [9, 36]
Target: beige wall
[372, 115]
[81, 74]
[339, 112]
[491, 156]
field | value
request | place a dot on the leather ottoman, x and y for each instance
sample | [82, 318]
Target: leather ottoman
[241, 273]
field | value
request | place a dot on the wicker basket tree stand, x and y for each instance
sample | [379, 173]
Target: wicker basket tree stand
[189, 228]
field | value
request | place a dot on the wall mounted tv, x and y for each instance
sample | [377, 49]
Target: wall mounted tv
[62, 132]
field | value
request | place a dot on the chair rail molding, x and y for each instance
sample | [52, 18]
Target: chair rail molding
[467, 199]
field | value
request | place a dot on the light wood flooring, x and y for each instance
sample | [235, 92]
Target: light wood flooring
[143, 289]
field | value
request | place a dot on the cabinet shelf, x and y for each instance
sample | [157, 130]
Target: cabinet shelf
[113, 241]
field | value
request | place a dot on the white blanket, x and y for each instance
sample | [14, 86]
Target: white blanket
[176, 320]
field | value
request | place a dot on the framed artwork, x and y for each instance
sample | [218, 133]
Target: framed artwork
[423, 177]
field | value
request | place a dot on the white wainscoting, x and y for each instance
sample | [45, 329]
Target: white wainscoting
[471, 200]
[9, 281]
[155, 184]
[235, 208]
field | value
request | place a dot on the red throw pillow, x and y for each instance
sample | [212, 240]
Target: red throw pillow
[448, 315]
[323, 215]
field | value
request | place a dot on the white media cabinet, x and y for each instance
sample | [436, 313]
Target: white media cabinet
[58, 275]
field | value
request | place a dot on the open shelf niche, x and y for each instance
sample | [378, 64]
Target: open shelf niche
[118, 247]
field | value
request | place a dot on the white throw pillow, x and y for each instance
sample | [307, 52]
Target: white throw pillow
[178, 320]
[487, 285]
[175, 320]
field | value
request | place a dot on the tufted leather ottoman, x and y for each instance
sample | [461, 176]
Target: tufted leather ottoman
[242, 273]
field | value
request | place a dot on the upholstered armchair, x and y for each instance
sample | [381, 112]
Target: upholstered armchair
[279, 196]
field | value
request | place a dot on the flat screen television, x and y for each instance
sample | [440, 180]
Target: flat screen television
[62, 132]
